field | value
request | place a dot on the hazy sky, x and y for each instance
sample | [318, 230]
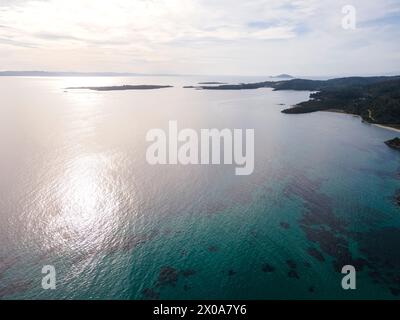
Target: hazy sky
[235, 37]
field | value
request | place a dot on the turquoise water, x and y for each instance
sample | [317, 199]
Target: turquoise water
[78, 194]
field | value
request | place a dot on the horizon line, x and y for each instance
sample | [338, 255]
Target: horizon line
[43, 73]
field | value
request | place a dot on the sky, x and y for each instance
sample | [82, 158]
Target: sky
[221, 37]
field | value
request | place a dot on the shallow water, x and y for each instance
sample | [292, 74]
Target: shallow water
[77, 193]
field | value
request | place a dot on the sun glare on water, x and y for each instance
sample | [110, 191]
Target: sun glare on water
[87, 205]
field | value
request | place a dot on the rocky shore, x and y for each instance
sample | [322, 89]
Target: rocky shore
[394, 144]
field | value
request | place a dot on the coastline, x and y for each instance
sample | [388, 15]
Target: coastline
[383, 126]
[387, 127]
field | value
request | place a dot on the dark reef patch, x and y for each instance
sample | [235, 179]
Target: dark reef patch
[397, 198]
[15, 288]
[395, 291]
[150, 294]
[130, 243]
[292, 264]
[212, 208]
[231, 273]
[184, 253]
[6, 263]
[378, 247]
[188, 272]
[168, 276]
[267, 268]
[285, 225]
[212, 249]
[316, 254]
[293, 274]
[136, 240]
[382, 250]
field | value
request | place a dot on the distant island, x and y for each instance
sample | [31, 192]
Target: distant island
[124, 87]
[211, 82]
[283, 76]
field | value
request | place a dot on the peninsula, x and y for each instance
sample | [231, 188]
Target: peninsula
[375, 99]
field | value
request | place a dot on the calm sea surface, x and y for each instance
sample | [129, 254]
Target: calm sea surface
[77, 193]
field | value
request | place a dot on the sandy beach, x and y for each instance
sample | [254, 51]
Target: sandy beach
[356, 115]
[386, 127]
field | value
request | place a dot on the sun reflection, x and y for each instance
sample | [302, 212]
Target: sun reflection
[88, 203]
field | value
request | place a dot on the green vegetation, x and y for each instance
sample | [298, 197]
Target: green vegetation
[376, 100]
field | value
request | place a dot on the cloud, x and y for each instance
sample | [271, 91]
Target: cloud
[16, 43]
[197, 36]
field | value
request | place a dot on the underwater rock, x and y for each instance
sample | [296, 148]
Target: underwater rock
[293, 274]
[291, 264]
[151, 294]
[7, 262]
[134, 241]
[267, 268]
[397, 198]
[168, 276]
[332, 235]
[316, 254]
[394, 143]
[212, 248]
[394, 291]
[14, 288]
[188, 272]
[285, 225]
[231, 273]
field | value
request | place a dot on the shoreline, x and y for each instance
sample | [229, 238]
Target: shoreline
[386, 127]
[383, 126]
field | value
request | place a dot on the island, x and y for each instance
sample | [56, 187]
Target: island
[124, 87]
[283, 76]
[211, 82]
[394, 144]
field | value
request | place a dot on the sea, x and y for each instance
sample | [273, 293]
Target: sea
[77, 194]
